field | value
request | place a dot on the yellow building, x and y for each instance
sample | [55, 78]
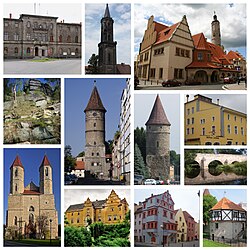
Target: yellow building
[109, 211]
[181, 226]
[208, 123]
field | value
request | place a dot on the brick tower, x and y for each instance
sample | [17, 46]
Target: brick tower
[107, 46]
[95, 160]
[157, 142]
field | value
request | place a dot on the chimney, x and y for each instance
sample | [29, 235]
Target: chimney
[10, 15]
[187, 97]
[218, 101]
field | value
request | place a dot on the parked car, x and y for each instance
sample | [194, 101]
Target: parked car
[159, 182]
[192, 82]
[171, 83]
[138, 179]
[229, 80]
[150, 182]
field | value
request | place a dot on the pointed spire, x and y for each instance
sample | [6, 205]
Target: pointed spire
[158, 115]
[17, 162]
[107, 14]
[45, 161]
[95, 102]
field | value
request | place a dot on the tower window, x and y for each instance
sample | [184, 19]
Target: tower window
[16, 172]
[94, 124]
[16, 187]
[157, 144]
[94, 142]
[15, 221]
[46, 171]
[92, 154]
[31, 209]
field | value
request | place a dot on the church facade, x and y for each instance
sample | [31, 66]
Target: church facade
[32, 36]
[31, 210]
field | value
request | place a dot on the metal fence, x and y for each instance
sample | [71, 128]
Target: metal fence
[231, 242]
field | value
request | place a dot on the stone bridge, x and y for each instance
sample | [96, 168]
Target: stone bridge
[205, 177]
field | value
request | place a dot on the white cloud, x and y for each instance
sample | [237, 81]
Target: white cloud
[199, 17]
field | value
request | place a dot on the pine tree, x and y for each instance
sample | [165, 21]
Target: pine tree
[139, 165]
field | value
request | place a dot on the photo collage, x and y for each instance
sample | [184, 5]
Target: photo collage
[124, 124]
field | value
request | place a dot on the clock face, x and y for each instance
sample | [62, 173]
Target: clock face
[94, 114]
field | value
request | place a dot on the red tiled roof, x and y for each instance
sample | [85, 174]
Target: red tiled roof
[166, 33]
[158, 115]
[187, 216]
[123, 69]
[95, 102]
[30, 192]
[225, 203]
[200, 41]
[234, 55]
[197, 64]
[80, 165]
[45, 161]
[159, 26]
[17, 162]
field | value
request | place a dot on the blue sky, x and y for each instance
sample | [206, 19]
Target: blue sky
[171, 104]
[77, 94]
[31, 160]
[232, 19]
[121, 14]
[235, 195]
[186, 199]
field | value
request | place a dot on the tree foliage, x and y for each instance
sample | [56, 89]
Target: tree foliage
[93, 64]
[208, 202]
[108, 146]
[140, 140]
[69, 160]
[139, 165]
[77, 237]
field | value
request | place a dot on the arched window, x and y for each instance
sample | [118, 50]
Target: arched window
[94, 124]
[31, 209]
[28, 50]
[16, 187]
[69, 51]
[76, 51]
[60, 38]
[28, 24]
[60, 51]
[46, 171]
[68, 39]
[16, 50]
[76, 39]
[15, 221]
[16, 172]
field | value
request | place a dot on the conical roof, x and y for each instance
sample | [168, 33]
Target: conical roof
[107, 14]
[95, 102]
[226, 204]
[17, 162]
[45, 161]
[158, 115]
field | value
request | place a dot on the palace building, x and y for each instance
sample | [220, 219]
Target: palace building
[108, 211]
[31, 210]
[209, 123]
[32, 36]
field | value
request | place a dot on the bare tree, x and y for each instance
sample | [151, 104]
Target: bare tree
[43, 225]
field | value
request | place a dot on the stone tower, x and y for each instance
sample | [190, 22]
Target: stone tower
[45, 176]
[157, 142]
[17, 177]
[107, 46]
[216, 37]
[95, 160]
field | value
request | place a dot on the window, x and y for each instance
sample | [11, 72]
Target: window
[158, 51]
[72, 221]
[76, 39]
[188, 121]
[235, 130]
[5, 51]
[51, 39]
[6, 24]
[178, 73]
[16, 172]
[78, 220]
[6, 36]
[235, 118]
[229, 129]
[200, 56]
[94, 142]
[15, 221]
[192, 120]
[16, 50]
[187, 54]
[192, 129]
[94, 124]
[157, 144]
[160, 73]
[187, 131]
[51, 26]
[46, 171]
[16, 25]
[16, 37]
[242, 130]
[213, 130]
[188, 111]
[203, 131]
[177, 51]
[216, 225]
[97, 154]
[16, 187]
[192, 110]
[209, 57]
[213, 119]
[228, 117]
[60, 38]
[68, 39]
[28, 36]
[109, 217]
[146, 56]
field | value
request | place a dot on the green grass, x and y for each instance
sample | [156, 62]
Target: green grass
[210, 243]
[44, 60]
[40, 242]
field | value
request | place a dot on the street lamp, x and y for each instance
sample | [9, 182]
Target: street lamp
[50, 223]
[162, 226]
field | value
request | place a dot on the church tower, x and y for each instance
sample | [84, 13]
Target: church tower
[157, 142]
[216, 38]
[17, 177]
[107, 46]
[45, 177]
[95, 160]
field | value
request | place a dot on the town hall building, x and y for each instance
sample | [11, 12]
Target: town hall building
[32, 36]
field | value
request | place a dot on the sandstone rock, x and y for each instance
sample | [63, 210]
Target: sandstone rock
[40, 133]
[25, 124]
[41, 103]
